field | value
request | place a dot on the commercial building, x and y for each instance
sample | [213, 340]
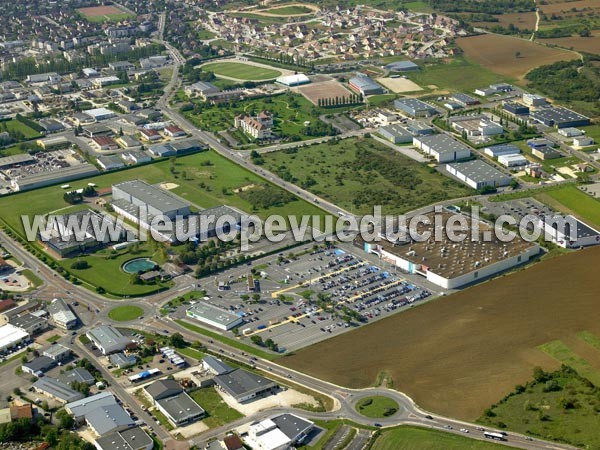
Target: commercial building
[464, 99]
[534, 100]
[571, 132]
[478, 174]
[545, 153]
[38, 366]
[108, 339]
[515, 108]
[99, 114]
[297, 79]
[569, 232]
[496, 151]
[130, 439]
[442, 147]
[108, 419]
[53, 143]
[56, 390]
[478, 125]
[101, 82]
[79, 375]
[415, 107]
[61, 314]
[451, 264]
[80, 408]
[58, 352]
[243, 385]
[122, 361]
[281, 432]
[296, 428]
[512, 160]
[559, 117]
[214, 316]
[215, 365]
[365, 86]
[104, 143]
[110, 162]
[396, 134]
[56, 176]
[418, 128]
[170, 399]
[11, 313]
[402, 66]
[30, 323]
[583, 141]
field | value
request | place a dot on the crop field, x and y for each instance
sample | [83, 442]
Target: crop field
[522, 20]
[462, 353]
[358, 173]
[241, 71]
[570, 7]
[327, 89]
[410, 438]
[106, 13]
[584, 44]
[510, 56]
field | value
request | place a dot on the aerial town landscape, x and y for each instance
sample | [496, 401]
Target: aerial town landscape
[195, 250]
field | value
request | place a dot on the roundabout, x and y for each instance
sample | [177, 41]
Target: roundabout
[125, 313]
[376, 406]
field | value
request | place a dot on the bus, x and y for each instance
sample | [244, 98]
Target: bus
[495, 436]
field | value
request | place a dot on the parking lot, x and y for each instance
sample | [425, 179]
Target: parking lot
[308, 297]
[518, 208]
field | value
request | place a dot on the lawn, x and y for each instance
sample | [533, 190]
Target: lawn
[217, 411]
[577, 202]
[229, 341]
[191, 353]
[290, 113]
[559, 406]
[457, 75]
[358, 173]
[411, 438]
[241, 71]
[563, 353]
[53, 339]
[377, 407]
[14, 125]
[125, 313]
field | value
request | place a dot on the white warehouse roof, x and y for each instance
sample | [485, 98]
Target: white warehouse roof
[9, 334]
[293, 80]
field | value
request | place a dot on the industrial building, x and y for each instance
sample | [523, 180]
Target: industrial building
[61, 314]
[451, 264]
[559, 117]
[571, 132]
[478, 174]
[243, 385]
[515, 108]
[53, 143]
[122, 361]
[534, 100]
[78, 374]
[442, 147]
[99, 114]
[201, 88]
[38, 366]
[512, 160]
[11, 337]
[418, 128]
[130, 439]
[110, 162]
[415, 108]
[9, 162]
[56, 176]
[496, 151]
[402, 66]
[278, 433]
[31, 323]
[544, 153]
[583, 141]
[108, 339]
[214, 316]
[215, 365]
[297, 79]
[170, 399]
[464, 99]
[396, 134]
[56, 390]
[79, 409]
[569, 232]
[477, 125]
[58, 352]
[365, 86]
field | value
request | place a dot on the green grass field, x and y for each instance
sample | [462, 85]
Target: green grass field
[579, 203]
[241, 71]
[358, 173]
[589, 338]
[564, 354]
[14, 125]
[559, 406]
[288, 10]
[290, 112]
[125, 313]
[376, 406]
[457, 75]
[416, 438]
[217, 411]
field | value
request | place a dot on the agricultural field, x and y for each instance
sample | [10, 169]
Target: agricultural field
[560, 405]
[125, 313]
[290, 113]
[411, 438]
[358, 173]
[290, 10]
[509, 56]
[107, 13]
[589, 44]
[456, 75]
[241, 71]
[521, 20]
[462, 353]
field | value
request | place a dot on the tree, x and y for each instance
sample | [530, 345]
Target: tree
[80, 264]
[517, 54]
[65, 421]
[177, 340]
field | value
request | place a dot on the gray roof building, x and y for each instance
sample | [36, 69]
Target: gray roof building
[395, 134]
[211, 315]
[365, 85]
[57, 352]
[402, 66]
[478, 174]
[108, 339]
[154, 200]
[559, 117]
[38, 365]
[502, 149]
[464, 99]
[8, 162]
[442, 147]
[108, 418]
[78, 374]
[30, 323]
[180, 409]
[121, 360]
[56, 390]
[215, 365]
[163, 388]
[294, 427]
[83, 406]
[415, 107]
[243, 385]
[131, 439]
[62, 314]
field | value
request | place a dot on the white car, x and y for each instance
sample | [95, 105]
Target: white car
[464, 430]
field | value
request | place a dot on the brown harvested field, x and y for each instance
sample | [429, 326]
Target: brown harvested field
[326, 89]
[523, 21]
[498, 53]
[459, 354]
[566, 8]
[96, 11]
[584, 44]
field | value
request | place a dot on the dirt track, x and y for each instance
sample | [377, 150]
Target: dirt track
[461, 353]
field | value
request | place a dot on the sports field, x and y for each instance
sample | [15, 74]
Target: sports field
[399, 85]
[106, 13]
[460, 354]
[326, 89]
[241, 71]
[125, 313]
[509, 56]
